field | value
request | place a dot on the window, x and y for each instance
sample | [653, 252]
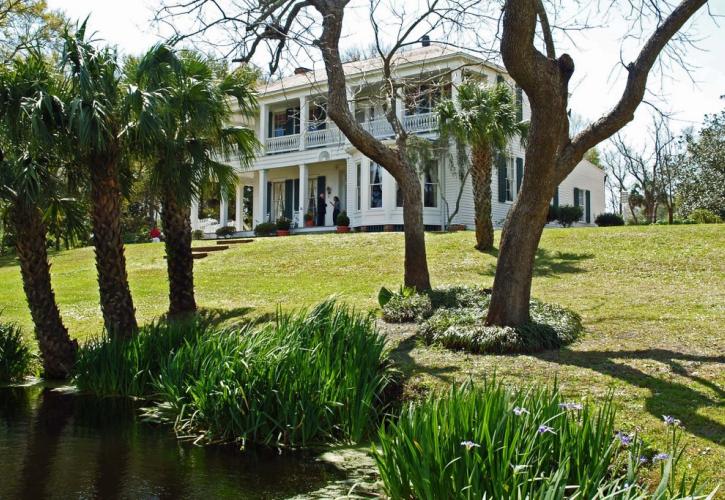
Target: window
[285, 122]
[581, 202]
[376, 185]
[430, 185]
[510, 179]
[358, 180]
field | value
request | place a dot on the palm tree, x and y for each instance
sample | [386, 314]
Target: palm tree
[97, 129]
[485, 118]
[193, 138]
[30, 119]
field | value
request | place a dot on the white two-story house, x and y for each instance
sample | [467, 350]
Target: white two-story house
[304, 155]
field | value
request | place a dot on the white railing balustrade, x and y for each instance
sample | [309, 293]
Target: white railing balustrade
[325, 137]
[423, 122]
[282, 143]
[379, 128]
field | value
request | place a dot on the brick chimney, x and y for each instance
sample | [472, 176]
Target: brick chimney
[425, 41]
[302, 70]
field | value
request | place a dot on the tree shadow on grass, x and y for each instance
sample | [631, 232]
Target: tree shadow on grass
[409, 366]
[548, 263]
[216, 316]
[666, 397]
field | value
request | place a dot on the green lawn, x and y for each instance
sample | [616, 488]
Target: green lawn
[652, 300]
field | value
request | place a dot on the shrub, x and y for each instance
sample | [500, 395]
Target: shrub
[407, 306]
[225, 231]
[284, 224]
[487, 441]
[569, 214]
[704, 216]
[16, 360]
[265, 229]
[310, 377]
[552, 214]
[114, 367]
[343, 219]
[197, 234]
[609, 219]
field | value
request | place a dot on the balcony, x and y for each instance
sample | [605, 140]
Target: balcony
[380, 128]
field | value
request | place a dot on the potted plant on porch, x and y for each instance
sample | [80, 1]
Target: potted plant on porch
[309, 218]
[283, 226]
[343, 223]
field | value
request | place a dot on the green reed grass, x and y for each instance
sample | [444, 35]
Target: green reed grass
[486, 441]
[16, 360]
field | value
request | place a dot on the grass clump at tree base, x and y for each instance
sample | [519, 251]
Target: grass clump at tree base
[455, 318]
[311, 377]
[486, 441]
[16, 359]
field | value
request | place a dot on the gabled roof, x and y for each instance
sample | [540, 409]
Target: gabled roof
[417, 56]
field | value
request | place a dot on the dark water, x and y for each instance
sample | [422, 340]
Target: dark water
[55, 445]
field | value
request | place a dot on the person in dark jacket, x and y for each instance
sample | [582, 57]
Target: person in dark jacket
[321, 209]
[335, 209]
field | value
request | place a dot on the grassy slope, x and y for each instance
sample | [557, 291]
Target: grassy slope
[652, 300]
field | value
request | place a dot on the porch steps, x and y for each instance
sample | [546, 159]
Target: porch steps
[234, 242]
[197, 255]
[217, 248]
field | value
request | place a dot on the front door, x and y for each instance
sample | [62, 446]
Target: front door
[277, 209]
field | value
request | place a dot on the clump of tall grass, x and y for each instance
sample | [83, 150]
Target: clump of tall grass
[16, 359]
[487, 441]
[118, 367]
[309, 377]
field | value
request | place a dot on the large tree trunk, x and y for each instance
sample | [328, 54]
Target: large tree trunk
[416, 262]
[179, 261]
[116, 303]
[481, 180]
[57, 350]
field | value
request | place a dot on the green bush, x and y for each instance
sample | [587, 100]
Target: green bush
[609, 219]
[704, 216]
[404, 307]
[343, 219]
[553, 214]
[16, 360]
[225, 231]
[463, 328]
[310, 377]
[487, 441]
[265, 229]
[284, 223]
[197, 234]
[569, 214]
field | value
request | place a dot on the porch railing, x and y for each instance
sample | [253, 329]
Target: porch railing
[282, 144]
[415, 124]
[326, 137]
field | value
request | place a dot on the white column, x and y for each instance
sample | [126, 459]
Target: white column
[239, 199]
[304, 113]
[351, 100]
[263, 125]
[399, 108]
[194, 218]
[303, 193]
[262, 197]
[223, 208]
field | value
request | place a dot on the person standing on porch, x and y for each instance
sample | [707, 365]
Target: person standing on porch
[321, 209]
[335, 209]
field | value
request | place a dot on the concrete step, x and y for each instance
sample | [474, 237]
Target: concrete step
[234, 242]
[217, 248]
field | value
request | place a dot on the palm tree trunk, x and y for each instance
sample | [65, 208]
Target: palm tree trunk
[119, 314]
[179, 261]
[481, 180]
[57, 350]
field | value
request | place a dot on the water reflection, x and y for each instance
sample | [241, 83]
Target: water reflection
[55, 445]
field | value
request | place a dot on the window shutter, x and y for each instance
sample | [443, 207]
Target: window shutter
[556, 197]
[296, 204]
[587, 209]
[321, 185]
[501, 162]
[270, 124]
[519, 173]
[519, 103]
[269, 199]
[576, 197]
[289, 189]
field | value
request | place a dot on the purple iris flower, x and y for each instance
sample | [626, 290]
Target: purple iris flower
[571, 406]
[544, 429]
[660, 457]
[518, 411]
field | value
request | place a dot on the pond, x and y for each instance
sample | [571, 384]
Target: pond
[59, 445]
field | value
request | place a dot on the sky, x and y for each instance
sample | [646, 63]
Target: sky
[595, 86]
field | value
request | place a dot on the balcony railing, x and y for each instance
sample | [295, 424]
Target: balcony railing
[282, 144]
[325, 137]
[380, 129]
